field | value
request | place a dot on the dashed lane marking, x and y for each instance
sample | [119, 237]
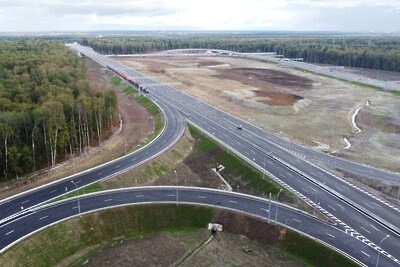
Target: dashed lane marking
[12, 231]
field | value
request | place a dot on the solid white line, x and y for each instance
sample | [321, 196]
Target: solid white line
[10, 232]
[374, 227]
[296, 220]
[365, 230]
[330, 235]
[340, 206]
[44, 217]
[231, 201]
[365, 254]
[369, 205]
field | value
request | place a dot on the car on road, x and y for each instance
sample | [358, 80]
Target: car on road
[239, 127]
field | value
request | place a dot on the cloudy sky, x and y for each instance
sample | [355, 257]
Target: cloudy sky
[296, 15]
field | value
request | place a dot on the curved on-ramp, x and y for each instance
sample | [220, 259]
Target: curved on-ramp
[17, 205]
[39, 218]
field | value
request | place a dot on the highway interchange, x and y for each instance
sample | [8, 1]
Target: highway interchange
[362, 219]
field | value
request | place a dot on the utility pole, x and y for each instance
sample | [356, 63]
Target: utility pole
[177, 184]
[269, 209]
[77, 191]
[316, 199]
[276, 206]
[379, 253]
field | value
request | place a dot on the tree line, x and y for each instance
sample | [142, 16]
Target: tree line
[375, 52]
[48, 108]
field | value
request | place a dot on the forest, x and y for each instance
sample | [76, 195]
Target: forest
[374, 52]
[49, 110]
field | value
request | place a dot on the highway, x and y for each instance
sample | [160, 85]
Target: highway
[289, 217]
[347, 204]
[359, 216]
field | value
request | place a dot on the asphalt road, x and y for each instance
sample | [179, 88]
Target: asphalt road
[261, 208]
[369, 218]
[359, 216]
[17, 205]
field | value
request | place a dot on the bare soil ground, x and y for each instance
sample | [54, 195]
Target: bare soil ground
[226, 249]
[309, 109]
[137, 125]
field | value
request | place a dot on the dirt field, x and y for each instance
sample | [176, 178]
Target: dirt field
[311, 110]
[138, 126]
[174, 249]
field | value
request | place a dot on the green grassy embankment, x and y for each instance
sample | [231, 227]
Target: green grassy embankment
[311, 252]
[358, 84]
[93, 231]
[237, 171]
[116, 81]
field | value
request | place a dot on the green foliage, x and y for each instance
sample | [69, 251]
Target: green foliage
[102, 228]
[48, 109]
[236, 167]
[396, 92]
[116, 81]
[375, 52]
[129, 90]
[311, 252]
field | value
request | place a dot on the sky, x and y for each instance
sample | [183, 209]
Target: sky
[260, 15]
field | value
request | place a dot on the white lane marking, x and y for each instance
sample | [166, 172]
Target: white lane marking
[77, 182]
[231, 201]
[202, 197]
[365, 230]
[75, 207]
[369, 205]
[53, 191]
[374, 227]
[340, 206]
[296, 220]
[288, 173]
[133, 160]
[305, 190]
[10, 232]
[330, 235]
[100, 173]
[109, 199]
[44, 217]
[365, 254]
[264, 209]
[170, 195]
[23, 202]
[116, 167]
[140, 196]
[331, 207]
